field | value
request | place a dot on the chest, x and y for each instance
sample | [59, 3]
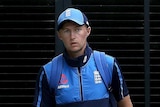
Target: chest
[80, 84]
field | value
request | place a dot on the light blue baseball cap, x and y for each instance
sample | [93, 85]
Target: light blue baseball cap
[74, 15]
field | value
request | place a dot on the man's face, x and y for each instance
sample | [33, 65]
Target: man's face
[74, 36]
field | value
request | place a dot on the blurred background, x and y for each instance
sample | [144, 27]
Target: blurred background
[121, 28]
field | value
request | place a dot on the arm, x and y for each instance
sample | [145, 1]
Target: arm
[125, 102]
[43, 96]
[120, 89]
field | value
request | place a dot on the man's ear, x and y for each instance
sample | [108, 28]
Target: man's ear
[59, 35]
[88, 30]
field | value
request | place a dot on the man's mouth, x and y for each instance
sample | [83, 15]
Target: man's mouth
[73, 43]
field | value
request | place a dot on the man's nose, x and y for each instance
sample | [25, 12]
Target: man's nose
[72, 35]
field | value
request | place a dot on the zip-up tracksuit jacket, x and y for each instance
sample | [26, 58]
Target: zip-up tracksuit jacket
[80, 84]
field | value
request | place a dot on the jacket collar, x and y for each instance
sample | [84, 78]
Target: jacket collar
[79, 61]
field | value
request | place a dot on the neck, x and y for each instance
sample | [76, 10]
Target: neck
[77, 53]
[79, 60]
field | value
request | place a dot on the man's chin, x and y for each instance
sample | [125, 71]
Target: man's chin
[75, 50]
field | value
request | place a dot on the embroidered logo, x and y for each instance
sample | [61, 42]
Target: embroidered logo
[68, 13]
[64, 79]
[63, 83]
[97, 77]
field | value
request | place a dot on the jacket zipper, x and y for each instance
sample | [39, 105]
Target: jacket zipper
[80, 81]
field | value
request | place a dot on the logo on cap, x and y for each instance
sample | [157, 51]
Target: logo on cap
[68, 13]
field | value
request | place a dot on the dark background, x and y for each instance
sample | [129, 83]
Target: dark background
[27, 41]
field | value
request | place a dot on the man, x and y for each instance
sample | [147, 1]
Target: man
[80, 84]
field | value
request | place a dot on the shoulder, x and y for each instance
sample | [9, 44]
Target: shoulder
[103, 55]
[52, 66]
[48, 67]
[50, 63]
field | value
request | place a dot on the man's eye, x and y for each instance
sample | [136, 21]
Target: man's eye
[78, 29]
[65, 31]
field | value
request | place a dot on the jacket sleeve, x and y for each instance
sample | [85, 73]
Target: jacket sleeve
[43, 95]
[119, 86]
